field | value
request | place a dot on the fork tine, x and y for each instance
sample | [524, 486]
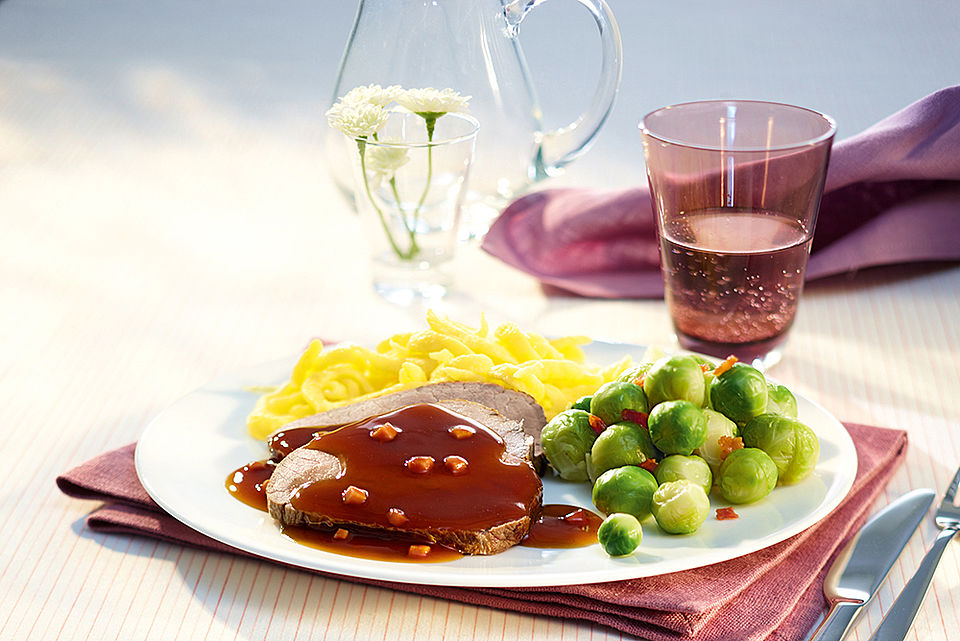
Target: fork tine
[951, 494]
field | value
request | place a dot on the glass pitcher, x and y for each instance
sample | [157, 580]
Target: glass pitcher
[472, 46]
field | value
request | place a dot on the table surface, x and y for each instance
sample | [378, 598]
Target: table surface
[167, 218]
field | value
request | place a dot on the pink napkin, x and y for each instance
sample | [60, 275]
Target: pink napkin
[892, 196]
[773, 594]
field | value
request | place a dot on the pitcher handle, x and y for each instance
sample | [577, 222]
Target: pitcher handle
[560, 146]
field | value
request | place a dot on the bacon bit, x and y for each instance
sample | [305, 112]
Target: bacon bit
[725, 365]
[419, 464]
[457, 465]
[640, 418]
[421, 551]
[649, 465]
[726, 513]
[341, 534]
[729, 444]
[385, 432]
[597, 424]
[353, 495]
[461, 432]
[396, 517]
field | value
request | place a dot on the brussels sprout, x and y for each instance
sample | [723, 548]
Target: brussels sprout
[680, 507]
[623, 443]
[780, 401]
[566, 442]
[740, 393]
[612, 398]
[674, 378]
[792, 445]
[631, 374]
[678, 466]
[747, 475]
[620, 534]
[717, 425]
[582, 403]
[625, 489]
[703, 360]
[677, 427]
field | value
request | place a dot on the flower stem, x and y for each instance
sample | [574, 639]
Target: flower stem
[411, 229]
[430, 118]
[362, 147]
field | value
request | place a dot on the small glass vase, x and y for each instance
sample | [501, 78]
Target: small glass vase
[409, 185]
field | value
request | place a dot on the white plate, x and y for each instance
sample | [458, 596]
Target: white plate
[187, 452]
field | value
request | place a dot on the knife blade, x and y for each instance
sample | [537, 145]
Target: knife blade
[864, 562]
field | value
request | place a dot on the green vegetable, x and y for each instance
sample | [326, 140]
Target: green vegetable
[566, 442]
[740, 393]
[627, 489]
[717, 425]
[780, 401]
[680, 507]
[612, 398]
[678, 466]
[677, 427]
[793, 447]
[620, 534]
[582, 403]
[747, 475]
[631, 374]
[623, 443]
[674, 378]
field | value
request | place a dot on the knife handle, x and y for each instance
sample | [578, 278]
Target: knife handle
[898, 620]
[838, 620]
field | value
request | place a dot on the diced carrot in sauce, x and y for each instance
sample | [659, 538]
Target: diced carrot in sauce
[727, 363]
[384, 433]
[729, 444]
[354, 495]
[420, 464]
[640, 418]
[456, 465]
[341, 534]
[461, 432]
[418, 550]
[649, 465]
[396, 517]
[726, 514]
[597, 424]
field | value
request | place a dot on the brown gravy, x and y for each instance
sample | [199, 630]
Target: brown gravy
[563, 526]
[410, 472]
[464, 465]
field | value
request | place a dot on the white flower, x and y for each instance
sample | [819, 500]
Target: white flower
[431, 100]
[386, 160]
[357, 120]
[373, 94]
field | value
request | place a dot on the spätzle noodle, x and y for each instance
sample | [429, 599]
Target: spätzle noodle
[552, 371]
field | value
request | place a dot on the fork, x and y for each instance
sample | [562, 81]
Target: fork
[899, 618]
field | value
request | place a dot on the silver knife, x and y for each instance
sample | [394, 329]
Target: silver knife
[861, 566]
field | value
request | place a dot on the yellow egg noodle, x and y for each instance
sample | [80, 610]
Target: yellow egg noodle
[552, 371]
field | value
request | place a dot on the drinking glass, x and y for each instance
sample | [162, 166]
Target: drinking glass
[736, 186]
[409, 187]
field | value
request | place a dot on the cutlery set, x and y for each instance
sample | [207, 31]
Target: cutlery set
[860, 568]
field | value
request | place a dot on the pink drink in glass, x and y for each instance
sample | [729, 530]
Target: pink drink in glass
[736, 186]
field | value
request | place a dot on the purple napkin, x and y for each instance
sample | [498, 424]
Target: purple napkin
[774, 594]
[892, 196]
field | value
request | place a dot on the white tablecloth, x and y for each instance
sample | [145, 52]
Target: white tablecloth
[167, 218]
